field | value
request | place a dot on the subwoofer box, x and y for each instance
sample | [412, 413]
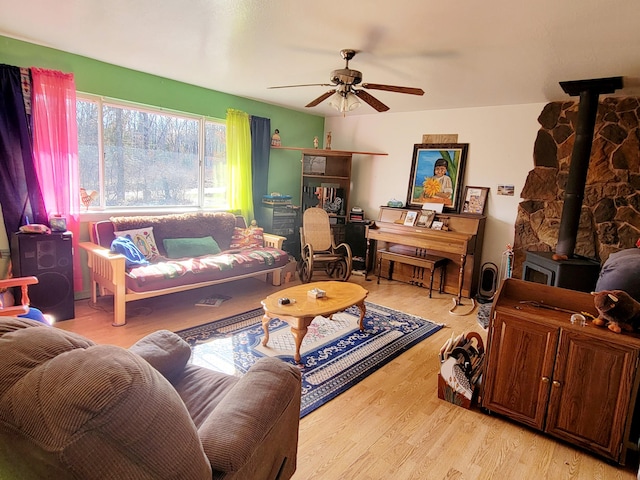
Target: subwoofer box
[48, 257]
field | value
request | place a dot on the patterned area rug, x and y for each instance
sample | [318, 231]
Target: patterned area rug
[335, 353]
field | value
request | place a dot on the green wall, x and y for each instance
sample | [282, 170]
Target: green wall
[297, 129]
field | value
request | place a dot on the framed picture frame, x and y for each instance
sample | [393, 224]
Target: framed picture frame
[426, 185]
[425, 219]
[475, 200]
[410, 218]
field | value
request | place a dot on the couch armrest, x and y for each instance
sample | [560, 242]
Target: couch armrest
[99, 259]
[267, 397]
[107, 270]
[274, 241]
[165, 351]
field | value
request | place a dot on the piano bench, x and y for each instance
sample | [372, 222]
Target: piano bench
[430, 262]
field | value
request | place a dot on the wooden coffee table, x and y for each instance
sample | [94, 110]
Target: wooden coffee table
[299, 315]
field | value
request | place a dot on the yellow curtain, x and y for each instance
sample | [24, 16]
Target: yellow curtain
[239, 163]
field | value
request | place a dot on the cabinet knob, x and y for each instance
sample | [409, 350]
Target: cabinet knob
[545, 379]
[556, 383]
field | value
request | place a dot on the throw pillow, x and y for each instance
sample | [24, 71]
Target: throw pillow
[247, 238]
[143, 239]
[190, 247]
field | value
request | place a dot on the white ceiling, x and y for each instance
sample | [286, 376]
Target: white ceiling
[462, 53]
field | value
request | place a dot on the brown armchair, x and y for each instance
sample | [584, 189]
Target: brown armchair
[72, 409]
[23, 283]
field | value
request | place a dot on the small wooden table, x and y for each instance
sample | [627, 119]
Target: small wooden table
[299, 315]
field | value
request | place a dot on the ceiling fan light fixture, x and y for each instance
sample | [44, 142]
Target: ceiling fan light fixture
[344, 101]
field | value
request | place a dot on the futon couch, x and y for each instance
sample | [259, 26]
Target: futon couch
[182, 251]
[71, 409]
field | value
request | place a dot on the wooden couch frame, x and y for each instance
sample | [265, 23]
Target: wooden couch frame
[107, 274]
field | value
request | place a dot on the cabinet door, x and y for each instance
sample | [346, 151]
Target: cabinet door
[592, 384]
[519, 368]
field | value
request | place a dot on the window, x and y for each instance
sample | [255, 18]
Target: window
[134, 156]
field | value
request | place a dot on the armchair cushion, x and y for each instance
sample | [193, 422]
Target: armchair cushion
[165, 351]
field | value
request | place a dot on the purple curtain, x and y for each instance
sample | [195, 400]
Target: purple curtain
[20, 194]
[260, 150]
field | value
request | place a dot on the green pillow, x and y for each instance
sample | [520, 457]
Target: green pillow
[190, 247]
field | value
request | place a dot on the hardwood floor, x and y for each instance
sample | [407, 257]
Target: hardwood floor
[392, 424]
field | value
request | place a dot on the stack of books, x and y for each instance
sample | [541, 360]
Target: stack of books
[356, 215]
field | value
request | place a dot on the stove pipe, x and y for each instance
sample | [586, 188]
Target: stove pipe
[589, 91]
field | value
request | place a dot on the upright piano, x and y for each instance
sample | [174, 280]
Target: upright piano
[460, 242]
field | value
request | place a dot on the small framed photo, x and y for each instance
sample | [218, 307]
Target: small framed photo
[437, 225]
[475, 200]
[425, 219]
[411, 217]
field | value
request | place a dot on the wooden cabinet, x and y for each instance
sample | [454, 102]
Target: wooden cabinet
[576, 383]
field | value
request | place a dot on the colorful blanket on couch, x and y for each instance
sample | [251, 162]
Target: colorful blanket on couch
[228, 260]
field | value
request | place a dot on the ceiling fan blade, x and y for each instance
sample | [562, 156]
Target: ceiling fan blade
[304, 85]
[320, 99]
[394, 88]
[371, 100]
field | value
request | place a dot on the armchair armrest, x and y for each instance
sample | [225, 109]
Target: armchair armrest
[265, 399]
[23, 283]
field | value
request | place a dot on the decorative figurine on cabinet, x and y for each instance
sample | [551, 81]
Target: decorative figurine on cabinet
[328, 144]
[617, 310]
[315, 142]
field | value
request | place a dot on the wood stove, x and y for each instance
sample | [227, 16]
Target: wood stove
[577, 273]
[563, 268]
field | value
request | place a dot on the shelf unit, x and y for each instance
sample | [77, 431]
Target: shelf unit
[326, 173]
[326, 180]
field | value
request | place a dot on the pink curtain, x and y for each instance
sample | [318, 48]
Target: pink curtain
[55, 150]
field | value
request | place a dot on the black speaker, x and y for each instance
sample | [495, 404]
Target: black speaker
[356, 238]
[48, 257]
[488, 282]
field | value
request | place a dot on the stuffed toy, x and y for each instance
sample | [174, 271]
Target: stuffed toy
[617, 310]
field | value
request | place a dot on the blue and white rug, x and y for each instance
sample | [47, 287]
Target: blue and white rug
[335, 353]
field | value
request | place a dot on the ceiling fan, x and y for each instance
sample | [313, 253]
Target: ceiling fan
[344, 97]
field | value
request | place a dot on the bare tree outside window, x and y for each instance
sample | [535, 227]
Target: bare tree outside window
[150, 159]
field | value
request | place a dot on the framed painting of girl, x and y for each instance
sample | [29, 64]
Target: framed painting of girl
[437, 170]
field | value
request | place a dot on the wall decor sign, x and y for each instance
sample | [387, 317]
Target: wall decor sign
[437, 170]
[475, 200]
[507, 190]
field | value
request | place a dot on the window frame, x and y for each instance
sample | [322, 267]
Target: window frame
[203, 120]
